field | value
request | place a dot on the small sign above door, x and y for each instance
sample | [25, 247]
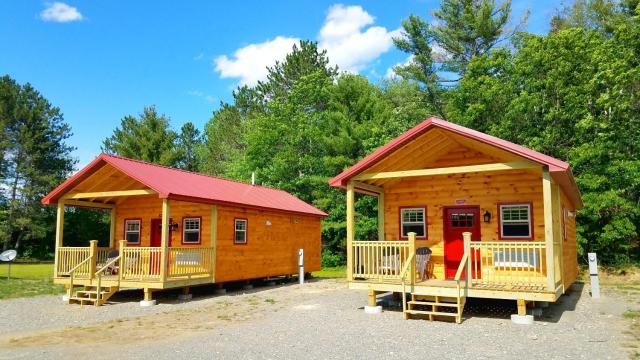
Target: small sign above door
[461, 201]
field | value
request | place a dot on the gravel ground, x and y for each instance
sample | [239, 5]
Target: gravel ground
[319, 320]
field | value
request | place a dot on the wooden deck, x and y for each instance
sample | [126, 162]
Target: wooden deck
[514, 270]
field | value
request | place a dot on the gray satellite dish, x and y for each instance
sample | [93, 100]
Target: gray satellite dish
[8, 256]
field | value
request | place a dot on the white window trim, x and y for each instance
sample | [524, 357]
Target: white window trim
[235, 231]
[127, 231]
[423, 222]
[503, 221]
[197, 231]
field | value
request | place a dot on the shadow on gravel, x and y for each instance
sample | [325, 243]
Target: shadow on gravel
[501, 309]
[202, 292]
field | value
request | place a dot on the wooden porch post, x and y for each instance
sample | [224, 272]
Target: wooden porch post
[165, 240]
[121, 270]
[557, 233]
[59, 234]
[93, 250]
[412, 250]
[350, 229]
[381, 216]
[112, 229]
[214, 240]
[547, 201]
[466, 236]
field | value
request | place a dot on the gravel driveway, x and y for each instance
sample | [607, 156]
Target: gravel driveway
[319, 320]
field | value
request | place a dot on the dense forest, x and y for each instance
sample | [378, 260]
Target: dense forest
[573, 93]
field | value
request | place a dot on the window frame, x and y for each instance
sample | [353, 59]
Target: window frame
[424, 222]
[529, 204]
[124, 233]
[246, 231]
[184, 230]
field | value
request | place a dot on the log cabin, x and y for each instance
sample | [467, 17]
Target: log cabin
[172, 228]
[462, 214]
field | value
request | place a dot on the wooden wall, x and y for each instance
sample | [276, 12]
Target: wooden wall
[270, 250]
[569, 245]
[485, 189]
[150, 207]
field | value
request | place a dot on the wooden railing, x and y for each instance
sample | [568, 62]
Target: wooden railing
[81, 266]
[70, 257]
[98, 274]
[507, 264]
[190, 261]
[140, 262]
[379, 259]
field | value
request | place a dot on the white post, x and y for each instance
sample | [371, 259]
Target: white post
[593, 274]
[301, 266]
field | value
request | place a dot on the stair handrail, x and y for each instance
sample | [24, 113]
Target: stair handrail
[99, 274]
[403, 275]
[73, 270]
[461, 267]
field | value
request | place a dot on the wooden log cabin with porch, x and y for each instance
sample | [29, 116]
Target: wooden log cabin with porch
[453, 201]
[173, 228]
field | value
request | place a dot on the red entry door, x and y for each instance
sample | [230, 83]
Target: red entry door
[457, 220]
[156, 233]
[156, 241]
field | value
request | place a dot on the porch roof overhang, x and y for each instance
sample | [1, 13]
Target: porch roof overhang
[559, 170]
[180, 185]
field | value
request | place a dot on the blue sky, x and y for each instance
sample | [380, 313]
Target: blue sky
[100, 61]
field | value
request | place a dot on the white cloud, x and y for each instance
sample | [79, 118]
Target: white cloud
[198, 57]
[347, 34]
[391, 73]
[60, 12]
[250, 62]
[349, 43]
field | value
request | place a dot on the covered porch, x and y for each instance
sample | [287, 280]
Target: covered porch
[140, 252]
[504, 269]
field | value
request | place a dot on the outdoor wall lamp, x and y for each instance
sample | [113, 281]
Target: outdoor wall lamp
[173, 226]
[487, 216]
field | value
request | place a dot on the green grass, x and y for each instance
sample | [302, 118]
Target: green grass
[631, 314]
[332, 272]
[28, 280]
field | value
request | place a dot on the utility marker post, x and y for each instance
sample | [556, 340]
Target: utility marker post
[593, 274]
[301, 266]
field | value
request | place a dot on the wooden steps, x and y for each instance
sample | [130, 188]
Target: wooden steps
[432, 306]
[91, 295]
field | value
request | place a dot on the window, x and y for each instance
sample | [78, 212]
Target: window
[191, 230]
[515, 221]
[132, 231]
[240, 233]
[413, 220]
[462, 220]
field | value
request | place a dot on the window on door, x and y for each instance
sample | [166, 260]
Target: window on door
[132, 231]
[462, 220]
[191, 230]
[413, 219]
[240, 232]
[515, 221]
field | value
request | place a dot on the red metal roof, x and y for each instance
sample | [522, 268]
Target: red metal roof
[189, 186]
[559, 169]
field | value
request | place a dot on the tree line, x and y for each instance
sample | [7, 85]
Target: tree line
[571, 94]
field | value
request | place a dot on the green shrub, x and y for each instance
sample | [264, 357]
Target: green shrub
[330, 259]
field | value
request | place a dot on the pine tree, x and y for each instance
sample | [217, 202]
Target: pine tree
[36, 158]
[147, 138]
